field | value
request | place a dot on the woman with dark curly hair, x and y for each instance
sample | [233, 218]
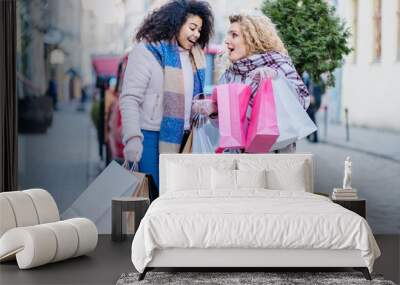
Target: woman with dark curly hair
[165, 70]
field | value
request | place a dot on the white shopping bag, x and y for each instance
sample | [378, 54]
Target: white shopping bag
[95, 202]
[205, 138]
[293, 121]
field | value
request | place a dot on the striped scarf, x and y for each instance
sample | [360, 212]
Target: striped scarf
[239, 72]
[172, 123]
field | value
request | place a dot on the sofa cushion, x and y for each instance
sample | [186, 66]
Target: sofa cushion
[45, 206]
[7, 215]
[27, 208]
[23, 208]
[67, 240]
[32, 246]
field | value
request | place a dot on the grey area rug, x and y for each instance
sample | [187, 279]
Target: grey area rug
[228, 278]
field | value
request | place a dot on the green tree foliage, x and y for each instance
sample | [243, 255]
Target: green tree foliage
[315, 38]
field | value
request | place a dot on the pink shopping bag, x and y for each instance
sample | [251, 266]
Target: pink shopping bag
[232, 100]
[263, 129]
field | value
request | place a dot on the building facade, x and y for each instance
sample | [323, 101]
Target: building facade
[370, 83]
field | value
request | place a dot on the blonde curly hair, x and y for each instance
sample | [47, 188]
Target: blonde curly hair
[259, 33]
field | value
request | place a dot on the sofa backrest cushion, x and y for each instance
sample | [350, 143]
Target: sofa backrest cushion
[26, 208]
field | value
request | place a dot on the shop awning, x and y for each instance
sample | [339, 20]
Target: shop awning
[106, 65]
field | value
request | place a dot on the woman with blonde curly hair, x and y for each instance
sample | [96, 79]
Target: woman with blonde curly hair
[255, 52]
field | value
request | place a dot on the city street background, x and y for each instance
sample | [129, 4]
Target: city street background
[65, 161]
[59, 41]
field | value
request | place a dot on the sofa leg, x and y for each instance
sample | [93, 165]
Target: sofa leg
[143, 274]
[364, 271]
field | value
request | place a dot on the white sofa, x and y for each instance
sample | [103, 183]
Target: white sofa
[31, 231]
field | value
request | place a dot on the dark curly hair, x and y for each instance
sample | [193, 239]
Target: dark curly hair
[165, 22]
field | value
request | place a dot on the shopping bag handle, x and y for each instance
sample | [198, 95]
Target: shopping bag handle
[135, 166]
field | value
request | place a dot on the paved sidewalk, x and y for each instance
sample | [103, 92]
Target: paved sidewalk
[65, 159]
[376, 142]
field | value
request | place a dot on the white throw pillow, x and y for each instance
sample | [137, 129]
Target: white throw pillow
[223, 179]
[251, 178]
[293, 180]
[188, 177]
[283, 173]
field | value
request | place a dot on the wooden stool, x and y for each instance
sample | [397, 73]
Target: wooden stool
[138, 205]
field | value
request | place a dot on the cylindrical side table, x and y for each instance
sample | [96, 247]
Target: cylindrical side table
[138, 205]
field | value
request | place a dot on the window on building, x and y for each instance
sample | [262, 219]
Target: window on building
[354, 27]
[377, 30]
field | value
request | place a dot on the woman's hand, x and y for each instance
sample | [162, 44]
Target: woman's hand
[133, 149]
[204, 107]
[262, 73]
[201, 110]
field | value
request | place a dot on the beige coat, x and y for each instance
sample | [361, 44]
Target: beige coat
[142, 93]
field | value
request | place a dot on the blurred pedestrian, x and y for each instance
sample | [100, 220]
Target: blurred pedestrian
[316, 91]
[52, 92]
[165, 69]
[81, 106]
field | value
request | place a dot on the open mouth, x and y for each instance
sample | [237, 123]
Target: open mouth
[192, 41]
[230, 50]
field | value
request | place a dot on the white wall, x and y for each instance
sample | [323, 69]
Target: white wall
[371, 90]
[135, 11]
[102, 32]
[65, 15]
[222, 9]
